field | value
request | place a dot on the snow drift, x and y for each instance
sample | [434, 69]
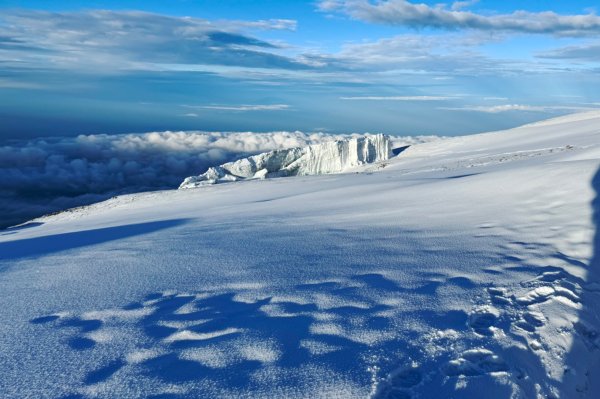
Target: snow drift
[317, 159]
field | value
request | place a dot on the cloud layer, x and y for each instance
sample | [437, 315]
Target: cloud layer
[243, 107]
[589, 52]
[397, 98]
[134, 40]
[47, 175]
[496, 109]
[406, 13]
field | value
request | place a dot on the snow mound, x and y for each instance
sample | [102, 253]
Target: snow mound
[329, 157]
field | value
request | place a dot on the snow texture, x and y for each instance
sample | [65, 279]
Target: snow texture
[329, 157]
[462, 268]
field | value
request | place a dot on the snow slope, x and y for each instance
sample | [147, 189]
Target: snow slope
[317, 159]
[464, 268]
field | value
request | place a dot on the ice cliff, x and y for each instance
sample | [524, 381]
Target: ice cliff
[329, 157]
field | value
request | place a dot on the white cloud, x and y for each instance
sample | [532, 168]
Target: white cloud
[439, 54]
[268, 24]
[245, 107]
[115, 42]
[106, 41]
[398, 98]
[582, 52]
[495, 98]
[420, 15]
[495, 109]
[459, 5]
[17, 84]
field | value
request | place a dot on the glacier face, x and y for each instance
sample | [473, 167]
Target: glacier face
[317, 159]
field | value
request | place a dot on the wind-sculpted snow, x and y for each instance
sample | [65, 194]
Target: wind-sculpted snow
[316, 159]
[51, 174]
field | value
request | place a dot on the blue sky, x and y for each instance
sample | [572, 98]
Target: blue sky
[394, 66]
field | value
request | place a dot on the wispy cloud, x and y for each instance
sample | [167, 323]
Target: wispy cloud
[438, 54]
[406, 13]
[17, 84]
[267, 24]
[397, 98]
[243, 108]
[583, 52]
[107, 41]
[495, 109]
[459, 5]
[121, 42]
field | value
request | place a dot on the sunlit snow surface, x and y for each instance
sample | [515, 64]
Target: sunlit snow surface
[463, 268]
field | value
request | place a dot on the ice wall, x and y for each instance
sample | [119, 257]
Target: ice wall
[317, 159]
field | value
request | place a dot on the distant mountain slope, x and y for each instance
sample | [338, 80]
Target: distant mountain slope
[466, 268]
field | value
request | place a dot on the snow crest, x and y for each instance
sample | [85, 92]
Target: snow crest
[317, 159]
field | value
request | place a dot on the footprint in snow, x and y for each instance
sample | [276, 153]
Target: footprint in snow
[475, 362]
[399, 383]
[482, 319]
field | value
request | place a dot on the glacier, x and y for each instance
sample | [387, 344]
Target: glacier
[317, 159]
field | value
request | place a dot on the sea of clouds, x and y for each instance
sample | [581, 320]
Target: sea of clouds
[47, 175]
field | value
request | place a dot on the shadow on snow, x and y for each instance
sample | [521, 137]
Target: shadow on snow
[588, 324]
[40, 246]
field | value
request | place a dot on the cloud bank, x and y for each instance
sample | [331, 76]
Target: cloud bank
[453, 17]
[48, 175]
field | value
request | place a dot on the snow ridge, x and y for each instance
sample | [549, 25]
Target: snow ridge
[317, 159]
